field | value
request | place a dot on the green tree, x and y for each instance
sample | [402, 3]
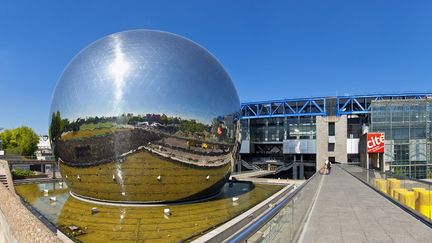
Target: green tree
[164, 119]
[22, 140]
[56, 126]
[193, 127]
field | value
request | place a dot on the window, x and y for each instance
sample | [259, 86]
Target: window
[353, 158]
[354, 126]
[418, 133]
[400, 133]
[331, 129]
[331, 147]
[401, 154]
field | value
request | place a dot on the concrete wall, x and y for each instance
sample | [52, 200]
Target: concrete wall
[341, 139]
[4, 170]
[17, 224]
[6, 234]
[322, 139]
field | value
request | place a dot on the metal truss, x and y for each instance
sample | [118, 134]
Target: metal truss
[284, 108]
[346, 105]
[361, 104]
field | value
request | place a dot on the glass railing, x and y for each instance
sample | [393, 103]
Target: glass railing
[284, 221]
[413, 195]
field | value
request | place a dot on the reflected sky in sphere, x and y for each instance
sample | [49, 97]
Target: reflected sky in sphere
[108, 129]
[145, 72]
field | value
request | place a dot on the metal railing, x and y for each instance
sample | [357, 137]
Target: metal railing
[284, 221]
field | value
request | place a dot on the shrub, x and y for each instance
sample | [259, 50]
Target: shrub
[21, 172]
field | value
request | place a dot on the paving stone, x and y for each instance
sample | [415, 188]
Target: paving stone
[346, 210]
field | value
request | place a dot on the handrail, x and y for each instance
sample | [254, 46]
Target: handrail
[250, 166]
[407, 178]
[248, 231]
[284, 167]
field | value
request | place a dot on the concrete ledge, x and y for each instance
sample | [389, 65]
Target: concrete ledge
[4, 170]
[17, 224]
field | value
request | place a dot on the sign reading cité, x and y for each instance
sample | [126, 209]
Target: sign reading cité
[375, 142]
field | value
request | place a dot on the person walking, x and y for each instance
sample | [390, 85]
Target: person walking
[328, 166]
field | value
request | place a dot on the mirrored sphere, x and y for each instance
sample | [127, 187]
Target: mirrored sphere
[145, 116]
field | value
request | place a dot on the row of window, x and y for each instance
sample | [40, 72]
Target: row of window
[278, 129]
[407, 127]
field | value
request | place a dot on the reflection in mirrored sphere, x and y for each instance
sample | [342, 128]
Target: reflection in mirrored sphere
[144, 116]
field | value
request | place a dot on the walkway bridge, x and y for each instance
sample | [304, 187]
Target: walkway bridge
[350, 204]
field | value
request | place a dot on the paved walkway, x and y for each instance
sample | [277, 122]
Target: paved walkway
[346, 210]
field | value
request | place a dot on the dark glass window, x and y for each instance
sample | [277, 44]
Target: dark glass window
[331, 147]
[331, 129]
[400, 133]
[418, 133]
[353, 158]
[401, 154]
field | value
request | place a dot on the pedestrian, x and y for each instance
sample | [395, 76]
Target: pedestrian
[326, 163]
[329, 166]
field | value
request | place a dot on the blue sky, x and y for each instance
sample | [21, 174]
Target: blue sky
[271, 49]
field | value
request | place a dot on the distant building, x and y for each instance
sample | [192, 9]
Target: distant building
[407, 125]
[298, 135]
[44, 151]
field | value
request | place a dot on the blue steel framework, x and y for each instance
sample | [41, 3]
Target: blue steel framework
[361, 104]
[346, 105]
[284, 108]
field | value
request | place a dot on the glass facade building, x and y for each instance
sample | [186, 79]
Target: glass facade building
[300, 134]
[280, 141]
[279, 129]
[408, 135]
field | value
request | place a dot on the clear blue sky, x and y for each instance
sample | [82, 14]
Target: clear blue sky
[271, 49]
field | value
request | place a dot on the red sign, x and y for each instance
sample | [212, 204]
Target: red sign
[375, 142]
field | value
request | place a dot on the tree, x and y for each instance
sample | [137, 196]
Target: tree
[56, 126]
[22, 140]
[164, 119]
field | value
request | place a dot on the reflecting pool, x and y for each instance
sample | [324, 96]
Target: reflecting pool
[94, 222]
